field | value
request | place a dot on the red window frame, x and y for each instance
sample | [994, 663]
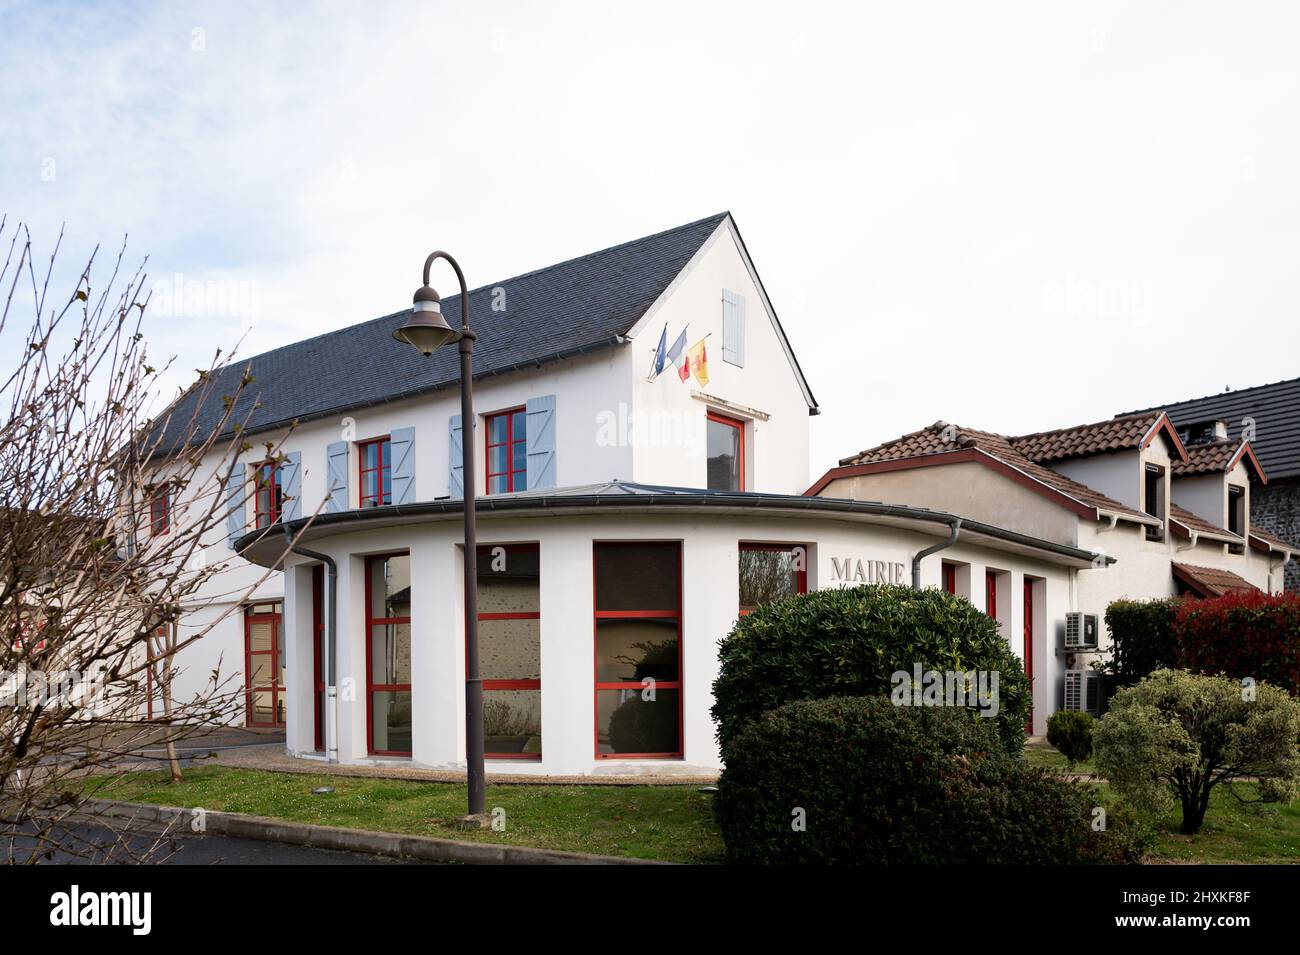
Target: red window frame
[1027, 628]
[485, 552]
[274, 687]
[739, 425]
[516, 480]
[991, 593]
[950, 578]
[800, 576]
[383, 465]
[318, 634]
[667, 614]
[160, 510]
[266, 499]
[371, 687]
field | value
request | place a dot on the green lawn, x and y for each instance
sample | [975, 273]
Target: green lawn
[671, 823]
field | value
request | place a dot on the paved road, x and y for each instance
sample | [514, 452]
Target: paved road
[214, 850]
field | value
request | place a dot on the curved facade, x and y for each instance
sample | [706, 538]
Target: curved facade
[600, 613]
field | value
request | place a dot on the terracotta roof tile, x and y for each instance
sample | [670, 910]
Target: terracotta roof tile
[1207, 458]
[1101, 437]
[1258, 533]
[943, 437]
[1180, 515]
[1210, 581]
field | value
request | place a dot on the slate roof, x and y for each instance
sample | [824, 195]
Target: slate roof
[942, 437]
[1276, 411]
[1117, 434]
[1210, 581]
[564, 310]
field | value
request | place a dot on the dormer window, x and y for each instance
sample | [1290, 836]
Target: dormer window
[1236, 514]
[1153, 498]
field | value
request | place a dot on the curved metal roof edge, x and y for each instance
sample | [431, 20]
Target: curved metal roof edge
[661, 498]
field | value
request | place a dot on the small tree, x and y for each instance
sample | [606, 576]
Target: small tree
[1177, 734]
[107, 520]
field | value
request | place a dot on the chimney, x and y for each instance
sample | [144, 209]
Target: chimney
[1220, 431]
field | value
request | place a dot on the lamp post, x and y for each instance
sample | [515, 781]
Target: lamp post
[426, 330]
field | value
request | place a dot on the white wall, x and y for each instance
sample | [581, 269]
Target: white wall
[776, 447]
[710, 602]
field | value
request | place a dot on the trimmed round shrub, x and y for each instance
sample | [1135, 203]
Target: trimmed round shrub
[850, 642]
[1070, 731]
[861, 781]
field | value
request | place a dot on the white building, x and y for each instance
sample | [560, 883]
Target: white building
[627, 515]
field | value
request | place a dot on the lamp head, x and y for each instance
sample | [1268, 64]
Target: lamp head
[426, 330]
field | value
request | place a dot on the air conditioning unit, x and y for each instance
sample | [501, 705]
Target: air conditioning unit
[1083, 691]
[1080, 630]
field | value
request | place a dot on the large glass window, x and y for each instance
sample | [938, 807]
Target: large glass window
[510, 650]
[388, 653]
[507, 451]
[376, 473]
[726, 453]
[770, 572]
[268, 496]
[638, 658]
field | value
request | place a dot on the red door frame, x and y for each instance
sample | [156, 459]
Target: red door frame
[276, 690]
[800, 576]
[510, 472]
[739, 425]
[950, 578]
[523, 684]
[991, 593]
[1028, 629]
[371, 687]
[318, 635]
[677, 684]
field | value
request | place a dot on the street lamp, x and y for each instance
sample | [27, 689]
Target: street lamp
[426, 330]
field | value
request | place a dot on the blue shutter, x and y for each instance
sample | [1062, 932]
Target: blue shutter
[401, 445]
[236, 495]
[456, 458]
[291, 486]
[336, 471]
[541, 442]
[733, 328]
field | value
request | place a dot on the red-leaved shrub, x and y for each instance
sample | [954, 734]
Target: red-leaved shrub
[1241, 635]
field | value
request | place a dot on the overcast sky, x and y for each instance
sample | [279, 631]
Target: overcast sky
[1009, 216]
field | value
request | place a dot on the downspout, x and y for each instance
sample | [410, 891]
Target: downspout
[331, 644]
[916, 561]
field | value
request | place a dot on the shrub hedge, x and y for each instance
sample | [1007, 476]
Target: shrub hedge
[1142, 639]
[1240, 635]
[850, 642]
[876, 783]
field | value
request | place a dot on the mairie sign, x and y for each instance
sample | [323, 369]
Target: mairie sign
[868, 571]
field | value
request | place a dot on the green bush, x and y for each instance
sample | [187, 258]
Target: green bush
[877, 783]
[1178, 735]
[850, 642]
[1070, 731]
[1265, 642]
[1142, 639]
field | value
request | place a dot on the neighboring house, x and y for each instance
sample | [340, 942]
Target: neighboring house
[1269, 415]
[1175, 520]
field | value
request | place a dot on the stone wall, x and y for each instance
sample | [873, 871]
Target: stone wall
[1276, 508]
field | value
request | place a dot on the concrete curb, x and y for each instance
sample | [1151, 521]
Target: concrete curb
[243, 826]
